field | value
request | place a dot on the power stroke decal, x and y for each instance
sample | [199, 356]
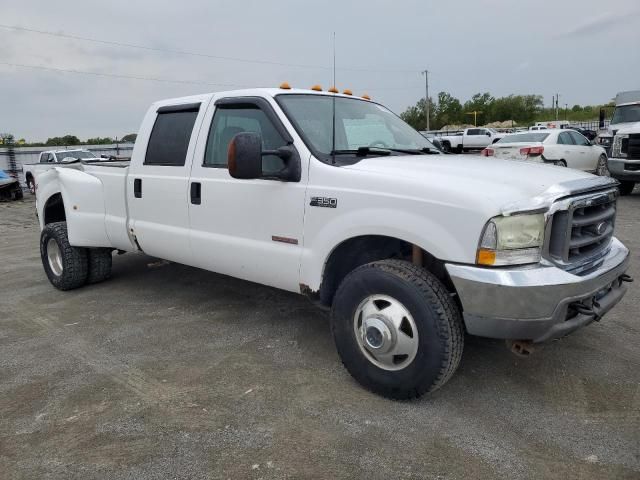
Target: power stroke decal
[325, 202]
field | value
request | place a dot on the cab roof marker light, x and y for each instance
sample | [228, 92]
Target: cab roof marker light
[316, 88]
[366, 97]
[333, 90]
[347, 92]
[285, 86]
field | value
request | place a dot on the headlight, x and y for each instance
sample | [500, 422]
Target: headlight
[513, 240]
[605, 140]
[618, 144]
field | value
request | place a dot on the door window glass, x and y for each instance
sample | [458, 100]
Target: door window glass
[579, 139]
[228, 121]
[564, 139]
[170, 138]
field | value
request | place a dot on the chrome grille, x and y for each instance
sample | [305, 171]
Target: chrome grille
[581, 234]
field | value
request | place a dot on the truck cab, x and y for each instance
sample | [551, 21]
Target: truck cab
[334, 197]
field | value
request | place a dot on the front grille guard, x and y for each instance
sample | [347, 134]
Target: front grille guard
[566, 206]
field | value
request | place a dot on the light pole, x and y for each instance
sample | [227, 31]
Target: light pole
[426, 95]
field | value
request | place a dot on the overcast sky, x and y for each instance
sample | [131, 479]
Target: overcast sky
[586, 50]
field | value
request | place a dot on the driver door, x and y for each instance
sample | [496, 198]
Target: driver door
[251, 229]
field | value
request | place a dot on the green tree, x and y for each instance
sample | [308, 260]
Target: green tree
[448, 111]
[131, 138]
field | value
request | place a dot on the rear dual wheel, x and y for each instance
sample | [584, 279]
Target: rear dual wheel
[397, 329]
[69, 267]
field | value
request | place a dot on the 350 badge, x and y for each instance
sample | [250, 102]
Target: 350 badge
[325, 202]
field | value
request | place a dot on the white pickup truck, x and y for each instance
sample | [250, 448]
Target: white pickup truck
[470, 139]
[336, 198]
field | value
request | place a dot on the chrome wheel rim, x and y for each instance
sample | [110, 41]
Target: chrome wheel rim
[603, 168]
[386, 332]
[54, 256]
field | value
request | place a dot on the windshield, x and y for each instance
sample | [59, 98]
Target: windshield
[74, 154]
[359, 123]
[626, 113]
[524, 137]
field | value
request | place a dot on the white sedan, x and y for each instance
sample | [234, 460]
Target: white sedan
[565, 148]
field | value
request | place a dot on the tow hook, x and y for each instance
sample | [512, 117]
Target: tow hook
[521, 348]
[625, 278]
[583, 309]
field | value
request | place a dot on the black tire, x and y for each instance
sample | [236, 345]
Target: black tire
[19, 195]
[446, 147]
[561, 163]
[74, 260]
[31, 184]
[626, 187]
[100, 261]
[437, 319]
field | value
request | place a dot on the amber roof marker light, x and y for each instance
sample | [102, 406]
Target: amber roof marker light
[285, 86]
[316, 88]
[333, 90]
[366, 97]
[347, 92]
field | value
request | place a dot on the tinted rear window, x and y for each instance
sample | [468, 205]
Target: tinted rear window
[525, 137]
[170, 137]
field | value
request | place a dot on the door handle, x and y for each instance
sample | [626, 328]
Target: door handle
[137, 188]
[196, 189]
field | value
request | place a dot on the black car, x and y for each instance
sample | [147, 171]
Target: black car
[590, 134]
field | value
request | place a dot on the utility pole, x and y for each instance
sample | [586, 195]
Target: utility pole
[426, 96]
[566, 109]
[475, 116]
[556, 105]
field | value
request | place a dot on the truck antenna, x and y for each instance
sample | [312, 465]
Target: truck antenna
[333, 107]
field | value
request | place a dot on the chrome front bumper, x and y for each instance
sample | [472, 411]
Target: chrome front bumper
[533, 303]
[617, 169]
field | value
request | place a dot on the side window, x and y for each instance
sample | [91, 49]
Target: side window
[473, 131]
[228, 121]
[579, 139]
[43, 157]
[564, 139]
[51, 158]
[169, 140]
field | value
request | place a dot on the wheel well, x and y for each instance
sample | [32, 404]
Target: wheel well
[28, 176]
[357, 251]
[54, 209]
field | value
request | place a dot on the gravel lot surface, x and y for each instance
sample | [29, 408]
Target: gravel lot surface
[167, 371]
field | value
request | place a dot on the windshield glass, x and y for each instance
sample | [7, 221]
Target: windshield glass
[524, 137]
[626, 113]
[74, 154]
[359, 123]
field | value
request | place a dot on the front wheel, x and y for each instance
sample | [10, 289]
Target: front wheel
[65, 266]
[397, 329]
[32, 185]
[602, 169]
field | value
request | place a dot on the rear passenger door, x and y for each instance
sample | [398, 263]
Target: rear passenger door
[567, 150]
[472, 139]
[157, 184]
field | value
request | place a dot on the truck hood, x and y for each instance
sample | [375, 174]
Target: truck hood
[627, 128]
[492, 185]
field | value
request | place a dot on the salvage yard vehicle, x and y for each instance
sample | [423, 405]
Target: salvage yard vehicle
[624, 139]
[10, 188]
[626, 113]
[49, 159]
[564, 148]
[334, 197]
[470, 139]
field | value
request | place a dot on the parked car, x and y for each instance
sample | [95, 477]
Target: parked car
[336, 198]
[470, 139]
[10, 188]
[565, 148]
[535, 128]
[49, 159]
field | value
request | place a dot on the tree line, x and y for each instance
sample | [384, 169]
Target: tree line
[72, 140]
[521, 109]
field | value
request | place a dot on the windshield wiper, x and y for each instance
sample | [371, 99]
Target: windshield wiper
[416, 151]
[363, 151]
